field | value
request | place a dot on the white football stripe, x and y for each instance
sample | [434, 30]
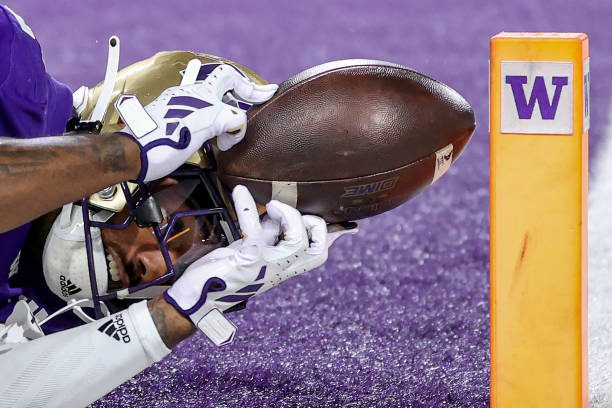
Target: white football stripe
[285, 191]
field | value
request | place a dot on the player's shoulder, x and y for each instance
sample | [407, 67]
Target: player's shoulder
[7, 35]
[13, 28]
[11, 22]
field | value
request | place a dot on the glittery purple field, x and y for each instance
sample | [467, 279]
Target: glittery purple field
[399, 314]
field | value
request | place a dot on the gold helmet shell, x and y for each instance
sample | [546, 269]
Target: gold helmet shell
[146, 79]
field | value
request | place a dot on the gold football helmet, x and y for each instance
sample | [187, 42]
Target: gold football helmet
[207, 204]
[145, 79]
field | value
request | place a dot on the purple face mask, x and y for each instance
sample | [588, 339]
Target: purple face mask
[186, 220]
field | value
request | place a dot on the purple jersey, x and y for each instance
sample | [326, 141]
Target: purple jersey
[32, 104]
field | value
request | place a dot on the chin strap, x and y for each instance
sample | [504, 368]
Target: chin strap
[76, 307]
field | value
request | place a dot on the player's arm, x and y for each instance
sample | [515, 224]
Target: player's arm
[48, 172]
[75, 367]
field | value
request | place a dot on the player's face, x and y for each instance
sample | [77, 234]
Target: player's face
[133, 253]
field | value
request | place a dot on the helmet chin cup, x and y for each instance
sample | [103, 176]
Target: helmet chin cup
[65, 260]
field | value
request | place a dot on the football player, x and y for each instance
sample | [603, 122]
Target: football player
[132, 269]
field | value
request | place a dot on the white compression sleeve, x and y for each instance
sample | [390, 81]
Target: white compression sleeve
[75, 367]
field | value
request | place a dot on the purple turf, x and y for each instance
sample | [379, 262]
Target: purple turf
[399, 314]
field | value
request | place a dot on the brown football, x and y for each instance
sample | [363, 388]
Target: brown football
[349, 139]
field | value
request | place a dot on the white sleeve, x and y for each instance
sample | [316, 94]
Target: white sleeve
[75, 367]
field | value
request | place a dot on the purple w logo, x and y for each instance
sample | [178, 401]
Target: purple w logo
[538, 94]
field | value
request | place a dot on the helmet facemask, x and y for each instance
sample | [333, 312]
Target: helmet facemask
[186, 220]
[182, 216]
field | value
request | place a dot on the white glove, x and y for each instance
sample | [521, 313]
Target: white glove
[228, 277]
[175, 125]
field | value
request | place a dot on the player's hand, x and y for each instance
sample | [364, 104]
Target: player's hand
[285, 244]
[176, 124]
